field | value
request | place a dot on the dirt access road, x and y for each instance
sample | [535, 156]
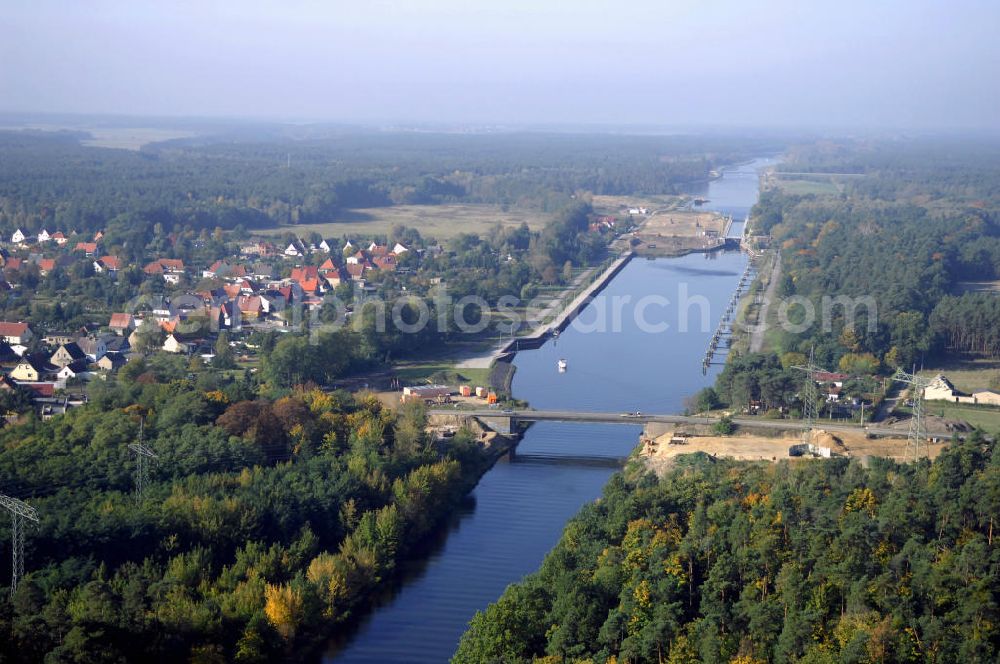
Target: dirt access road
[757, 331]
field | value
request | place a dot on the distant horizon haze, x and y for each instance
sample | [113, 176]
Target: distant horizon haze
[898, 65]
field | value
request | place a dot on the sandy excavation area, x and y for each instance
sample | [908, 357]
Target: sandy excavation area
[678, 232]
[659, 451]
[682, 223]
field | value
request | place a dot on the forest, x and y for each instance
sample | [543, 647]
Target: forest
[723, 561]
[963, 170]
[920, 219]
[265, 523]
[49, 179]
[970, 323]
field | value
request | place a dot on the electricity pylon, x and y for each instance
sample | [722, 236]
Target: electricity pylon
[809, 396]
[19, 511]
[917, 435]
[142, 453]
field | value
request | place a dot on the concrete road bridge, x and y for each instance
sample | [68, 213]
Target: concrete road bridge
[505, 421]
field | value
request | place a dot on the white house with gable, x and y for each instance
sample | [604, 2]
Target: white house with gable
[172, 345]
[941, 389]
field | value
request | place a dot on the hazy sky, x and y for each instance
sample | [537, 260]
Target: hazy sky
[892, 63]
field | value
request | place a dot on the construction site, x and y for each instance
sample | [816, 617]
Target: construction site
[661, 445]
[675, 232]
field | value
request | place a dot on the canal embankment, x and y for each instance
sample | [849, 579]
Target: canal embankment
[545, 330]
[502, 367]
[517, 511]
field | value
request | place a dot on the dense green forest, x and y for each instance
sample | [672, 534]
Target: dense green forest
[724, 561]
[921, 218]
[50, 179]
[264, 524]
[962, 170]
[970, 322]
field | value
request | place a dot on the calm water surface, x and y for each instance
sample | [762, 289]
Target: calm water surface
[517, 512]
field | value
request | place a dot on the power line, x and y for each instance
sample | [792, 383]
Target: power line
[142, 453]
[19, 511]
[810, 395]
[217, 461]
[917, 435]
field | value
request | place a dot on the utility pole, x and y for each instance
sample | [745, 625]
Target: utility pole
[917, 435]
[142, 453]
[19, 511]
[809, 396]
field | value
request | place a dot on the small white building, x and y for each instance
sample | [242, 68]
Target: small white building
[109, 264]
[17, 237]
[15, 333]
[172, 345]
[43, 236]
[941, 389]
[986, 397]
[71, 371]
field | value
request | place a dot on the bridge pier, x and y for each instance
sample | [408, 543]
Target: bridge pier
[502, 424]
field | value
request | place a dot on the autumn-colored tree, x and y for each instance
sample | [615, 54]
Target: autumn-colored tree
[283, 608]
[859, 364]
[239, 417]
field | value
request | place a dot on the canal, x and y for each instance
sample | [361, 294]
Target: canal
[637, 347]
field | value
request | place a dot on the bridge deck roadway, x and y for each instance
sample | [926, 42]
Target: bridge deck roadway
[625, 418]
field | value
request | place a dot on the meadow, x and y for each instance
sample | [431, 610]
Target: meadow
[437, 221]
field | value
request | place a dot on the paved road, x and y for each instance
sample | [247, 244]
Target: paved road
[619, 418]
[889, 403]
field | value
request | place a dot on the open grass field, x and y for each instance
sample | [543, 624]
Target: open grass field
[125, 138]
[987, 419]
[437, 221]
[420, 373]
[615, 205]
[132, 138]
[819, 187]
